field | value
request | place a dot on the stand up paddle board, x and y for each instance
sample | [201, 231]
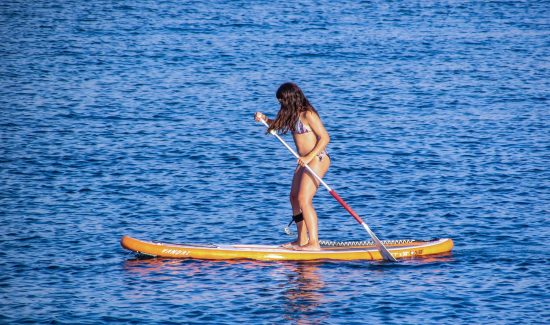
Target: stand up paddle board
[363, 250]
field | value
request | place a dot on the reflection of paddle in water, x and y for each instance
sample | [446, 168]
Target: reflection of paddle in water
[303, 294]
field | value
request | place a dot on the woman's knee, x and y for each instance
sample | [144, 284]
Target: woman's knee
[304, 200]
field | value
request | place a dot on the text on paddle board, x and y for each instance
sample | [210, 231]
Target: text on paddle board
[175, 252]
[408, 253]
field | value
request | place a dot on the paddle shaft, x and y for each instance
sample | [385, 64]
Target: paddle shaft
[383, 250]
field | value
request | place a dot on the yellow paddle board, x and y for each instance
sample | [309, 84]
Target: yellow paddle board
[329, 250]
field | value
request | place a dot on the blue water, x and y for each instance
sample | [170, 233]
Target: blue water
[123, 118]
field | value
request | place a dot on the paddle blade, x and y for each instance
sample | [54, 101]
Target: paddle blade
[381, 248]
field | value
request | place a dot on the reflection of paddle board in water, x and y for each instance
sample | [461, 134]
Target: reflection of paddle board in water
[329, 250]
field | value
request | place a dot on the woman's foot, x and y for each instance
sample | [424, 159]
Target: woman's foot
[308, 247]
[294, 244]
[290, 245]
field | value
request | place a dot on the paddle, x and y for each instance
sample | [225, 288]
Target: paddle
[381, 248]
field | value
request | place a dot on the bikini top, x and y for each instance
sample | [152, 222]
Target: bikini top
[301, 128]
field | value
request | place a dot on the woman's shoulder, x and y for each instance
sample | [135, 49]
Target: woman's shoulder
[310, 116]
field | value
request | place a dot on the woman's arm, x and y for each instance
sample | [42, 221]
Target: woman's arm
[318, 128]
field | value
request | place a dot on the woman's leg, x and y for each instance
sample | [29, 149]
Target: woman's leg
[306, 191]
[300, 226]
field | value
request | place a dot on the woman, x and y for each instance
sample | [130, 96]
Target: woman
[298, 116]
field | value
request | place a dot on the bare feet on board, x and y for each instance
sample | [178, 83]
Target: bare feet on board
[293, 245]
[308, 247]
[289, 245]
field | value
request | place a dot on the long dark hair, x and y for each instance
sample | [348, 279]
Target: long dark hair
[293, 103]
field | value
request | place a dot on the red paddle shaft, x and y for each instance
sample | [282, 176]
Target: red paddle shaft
[346, 206]
[381, 248]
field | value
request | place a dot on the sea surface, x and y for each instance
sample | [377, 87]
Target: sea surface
[136, 117]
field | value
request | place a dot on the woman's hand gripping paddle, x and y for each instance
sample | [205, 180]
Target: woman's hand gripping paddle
[381, 248]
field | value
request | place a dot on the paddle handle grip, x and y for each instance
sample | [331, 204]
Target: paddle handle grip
[346, 206]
